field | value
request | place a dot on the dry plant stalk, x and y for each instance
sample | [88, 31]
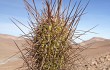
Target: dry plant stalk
[51, 45]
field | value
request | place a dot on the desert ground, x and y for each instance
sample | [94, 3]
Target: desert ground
[9, 59]
[97, 56]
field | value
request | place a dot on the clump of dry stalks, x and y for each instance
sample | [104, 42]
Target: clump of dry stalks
[51, 39]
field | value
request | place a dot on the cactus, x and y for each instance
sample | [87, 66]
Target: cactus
[51, 36]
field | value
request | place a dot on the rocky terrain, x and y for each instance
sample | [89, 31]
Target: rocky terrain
[101, 62]
[96, 57]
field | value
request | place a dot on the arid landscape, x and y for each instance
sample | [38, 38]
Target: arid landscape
[8, 49]
[97, 55]
[49, 33]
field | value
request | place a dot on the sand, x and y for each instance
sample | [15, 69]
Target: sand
[99, 48]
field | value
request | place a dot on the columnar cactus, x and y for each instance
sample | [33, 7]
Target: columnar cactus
[51, 35]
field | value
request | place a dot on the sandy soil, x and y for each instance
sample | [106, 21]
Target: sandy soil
[8, 49]
[98, 51]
